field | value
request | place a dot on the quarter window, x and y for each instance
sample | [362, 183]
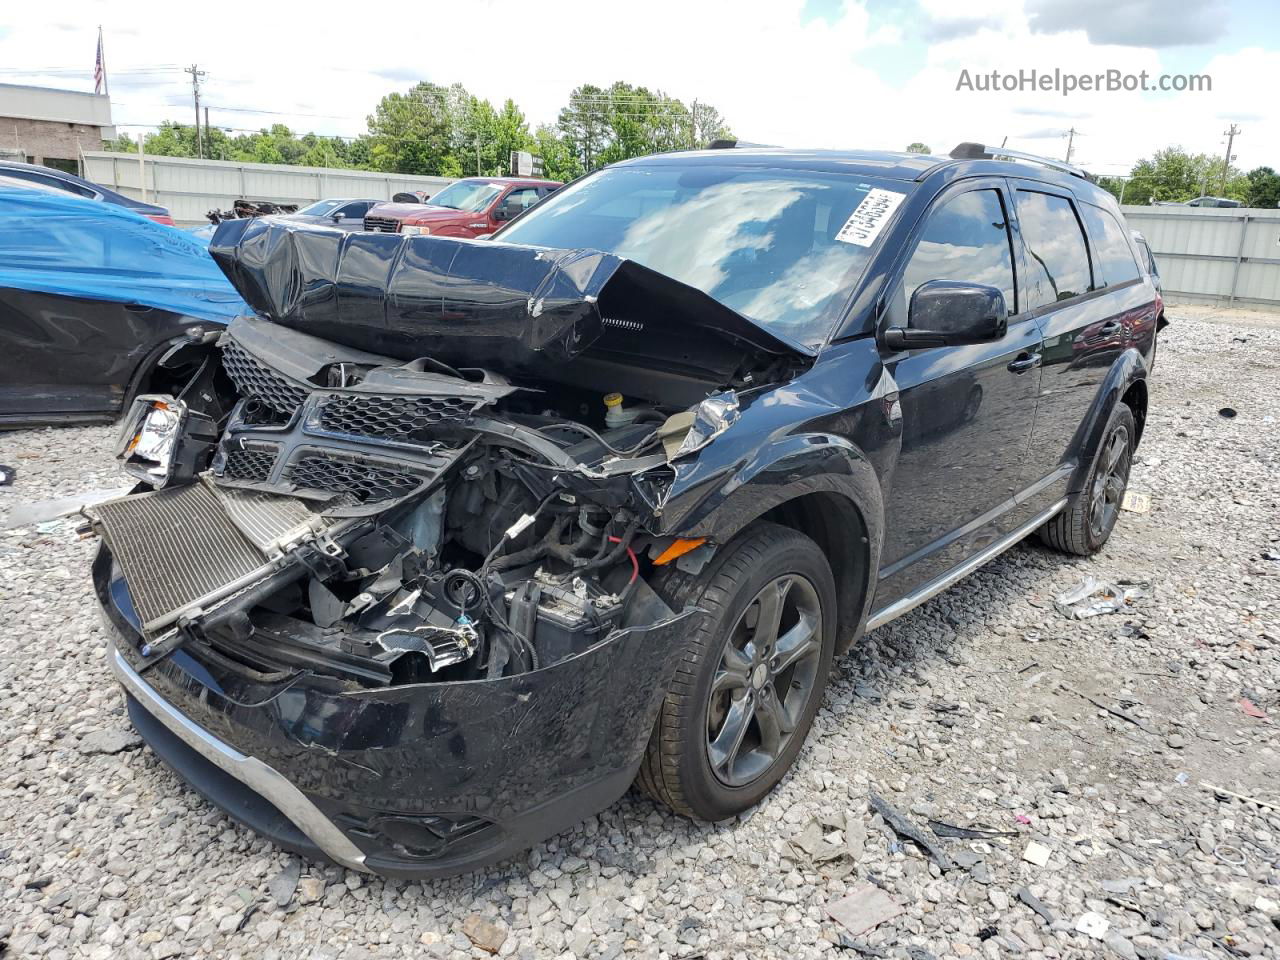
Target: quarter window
[1115, 259]
[1058, 258]
[966, 238]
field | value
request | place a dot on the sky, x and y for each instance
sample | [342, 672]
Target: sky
[873, 74]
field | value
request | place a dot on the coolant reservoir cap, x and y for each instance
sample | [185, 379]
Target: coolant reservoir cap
[612, 400]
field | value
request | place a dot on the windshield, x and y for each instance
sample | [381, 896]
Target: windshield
[320, 208]
[469, 195]
[761, 241]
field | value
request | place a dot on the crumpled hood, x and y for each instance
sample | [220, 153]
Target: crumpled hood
[476, 302]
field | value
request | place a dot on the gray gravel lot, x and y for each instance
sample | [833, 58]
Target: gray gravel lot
[985, 706]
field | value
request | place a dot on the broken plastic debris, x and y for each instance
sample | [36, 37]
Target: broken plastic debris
[1093, 924]
[709, 419]
[1022, 818]
[909, 831]
[1036, 853]
[1093, 597]
[867, 907]
[1252, 710]
[25, 514]
[1136, 502]
[1032, 901]
[1182, 779]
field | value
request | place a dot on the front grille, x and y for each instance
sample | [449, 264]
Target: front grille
[251, 466]
[365, 481]
[382, 224]
[252, 379]
[392, 418]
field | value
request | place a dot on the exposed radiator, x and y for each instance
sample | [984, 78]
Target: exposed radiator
[177, 547]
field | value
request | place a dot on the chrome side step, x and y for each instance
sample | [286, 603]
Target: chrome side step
[940, 583]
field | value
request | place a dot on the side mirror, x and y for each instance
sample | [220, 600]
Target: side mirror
[504, 212]
[335, 217]
[947, 313]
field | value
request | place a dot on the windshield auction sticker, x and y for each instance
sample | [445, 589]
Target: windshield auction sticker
[865, 223]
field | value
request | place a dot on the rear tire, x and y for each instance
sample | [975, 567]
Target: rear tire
[1085, 524]
[752, 676]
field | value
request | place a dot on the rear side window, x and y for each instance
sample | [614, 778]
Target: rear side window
[966, 238]
[1148, 258]
[1115, 259]
[54, 182]
[1058, 258]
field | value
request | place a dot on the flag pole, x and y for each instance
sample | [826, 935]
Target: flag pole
[102, 60]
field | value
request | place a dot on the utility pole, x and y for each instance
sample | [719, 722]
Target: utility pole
[1231, 133]
[196, 74]
[693, 126]
[1071, 139]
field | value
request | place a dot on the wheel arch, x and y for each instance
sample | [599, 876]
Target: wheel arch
[836, 525]
[819, 484]
[1127, 379]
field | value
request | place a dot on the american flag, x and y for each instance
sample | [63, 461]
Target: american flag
[100, 68]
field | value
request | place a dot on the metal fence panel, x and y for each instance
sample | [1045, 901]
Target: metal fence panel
[190, 188]
[1214, 254]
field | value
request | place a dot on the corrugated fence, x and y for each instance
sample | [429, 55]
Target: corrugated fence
[191, 188]
[1227, 255]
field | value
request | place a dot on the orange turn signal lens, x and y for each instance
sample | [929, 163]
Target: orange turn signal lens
[679, 547]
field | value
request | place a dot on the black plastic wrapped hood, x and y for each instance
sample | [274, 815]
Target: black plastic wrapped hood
[476, 302]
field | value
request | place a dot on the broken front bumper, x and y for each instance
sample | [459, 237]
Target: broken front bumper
[411, 781]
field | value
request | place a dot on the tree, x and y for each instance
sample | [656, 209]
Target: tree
[413, 132]
[445, 131]
[1176, 176]
[1263, 188]
[918, 147]
[559, 162]
[603, 125]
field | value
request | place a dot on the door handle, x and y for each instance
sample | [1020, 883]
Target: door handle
[1025, 362]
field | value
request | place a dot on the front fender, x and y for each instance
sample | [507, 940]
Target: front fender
[717, 501]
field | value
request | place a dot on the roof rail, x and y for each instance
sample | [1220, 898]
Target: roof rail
[976, 151]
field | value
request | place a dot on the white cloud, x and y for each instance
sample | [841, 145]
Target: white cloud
[776, 80]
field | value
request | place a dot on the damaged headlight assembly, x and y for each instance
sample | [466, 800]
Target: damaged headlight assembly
[160, 436]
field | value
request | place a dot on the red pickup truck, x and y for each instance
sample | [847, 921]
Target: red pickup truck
[473, 207]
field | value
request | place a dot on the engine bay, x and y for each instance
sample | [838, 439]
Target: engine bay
[381, 522]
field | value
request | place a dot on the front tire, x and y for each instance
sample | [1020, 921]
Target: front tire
[752, 676]
[1086, 522]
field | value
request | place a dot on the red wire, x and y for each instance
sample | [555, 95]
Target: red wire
[635, 564]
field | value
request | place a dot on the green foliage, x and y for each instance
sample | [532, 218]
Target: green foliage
[446, 131]
[918, 147]
[1262, 188]
[1174, 175]
[603, 125]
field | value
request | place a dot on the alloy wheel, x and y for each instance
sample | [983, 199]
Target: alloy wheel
[1109, 482]
[766, 676]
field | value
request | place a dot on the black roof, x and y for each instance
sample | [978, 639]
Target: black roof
[109, 195]
[873, 163]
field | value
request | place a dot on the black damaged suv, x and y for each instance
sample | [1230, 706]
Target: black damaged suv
[451, 541]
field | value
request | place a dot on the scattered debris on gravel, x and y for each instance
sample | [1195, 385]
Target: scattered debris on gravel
[1110, 784]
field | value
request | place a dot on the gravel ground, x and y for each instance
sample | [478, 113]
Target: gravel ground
[1087, 741]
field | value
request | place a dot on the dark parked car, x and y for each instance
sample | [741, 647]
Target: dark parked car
[1147, 260]
[474, 207]
[343, 214]
[97, 305]
[490, 531]
[40, 176]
